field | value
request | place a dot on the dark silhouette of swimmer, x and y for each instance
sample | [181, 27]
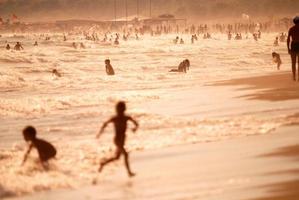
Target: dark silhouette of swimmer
[7, 47]
[183, 66]
[293, 49]
[46, 151]
[35, 44]
[56, 73]
[276, 59]
[109, 68]
[18, 47]
[120, 124]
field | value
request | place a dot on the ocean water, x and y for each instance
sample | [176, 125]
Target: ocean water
[68, 111]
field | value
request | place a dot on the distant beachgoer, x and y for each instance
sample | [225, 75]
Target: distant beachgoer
[82, 46]
[120, 124]
[7, 47]
[18, 47]
[276, 42]
[109, 68]
[276, 59]
[293, 49]
[176, 40]
[116, 42]
[74, 45]
[46, 151]
[183, 66]
[56, 73]
[35, 44]
[229, 35]
[255, 36]
[182, 41]
[259, 34]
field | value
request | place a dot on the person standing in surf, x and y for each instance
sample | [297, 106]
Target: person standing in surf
[293, 49]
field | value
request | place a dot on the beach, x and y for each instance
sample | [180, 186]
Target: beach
[251, 168]
[225, 130]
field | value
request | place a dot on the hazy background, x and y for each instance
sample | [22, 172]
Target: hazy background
[36, 10]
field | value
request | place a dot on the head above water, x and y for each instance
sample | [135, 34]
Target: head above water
[29, 133]
[296, 20]
[120, 107]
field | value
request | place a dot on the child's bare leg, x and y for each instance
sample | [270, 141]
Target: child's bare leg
[116, 157]
[126, 155]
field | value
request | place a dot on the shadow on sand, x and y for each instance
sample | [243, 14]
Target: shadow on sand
[288, 190]
[274, 87]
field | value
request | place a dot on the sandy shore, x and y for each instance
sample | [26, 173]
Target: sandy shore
[258, 168]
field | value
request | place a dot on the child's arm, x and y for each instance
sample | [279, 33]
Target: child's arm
[136, 124]
[103, 127]
[26, 154]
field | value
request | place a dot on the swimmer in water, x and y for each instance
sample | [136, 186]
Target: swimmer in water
[183, 66]
[276, 59]
[7, 47]
[18, 47]
[109, 68]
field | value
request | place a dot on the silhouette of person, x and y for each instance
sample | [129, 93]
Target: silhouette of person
[35, 43]
[294, 48]
[46, 151]
[276, 42]
[7, 47]
[120, 125]
[276, 59]
[109, 68]
[183, 66]
[18, 46]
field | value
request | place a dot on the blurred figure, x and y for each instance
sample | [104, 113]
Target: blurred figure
[7, 47]
[183, 66]
[293, 49]
[82, 46]
[120, 124]
[182, 41]
[176, 40]
[46, 151]
[109, 68]
[276, 59]
[229, 35]
[276, 42]
[18, 47]
[116, 42]
[74, 45]
[35, 43]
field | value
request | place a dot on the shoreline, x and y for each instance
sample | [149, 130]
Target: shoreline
[220, 170]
